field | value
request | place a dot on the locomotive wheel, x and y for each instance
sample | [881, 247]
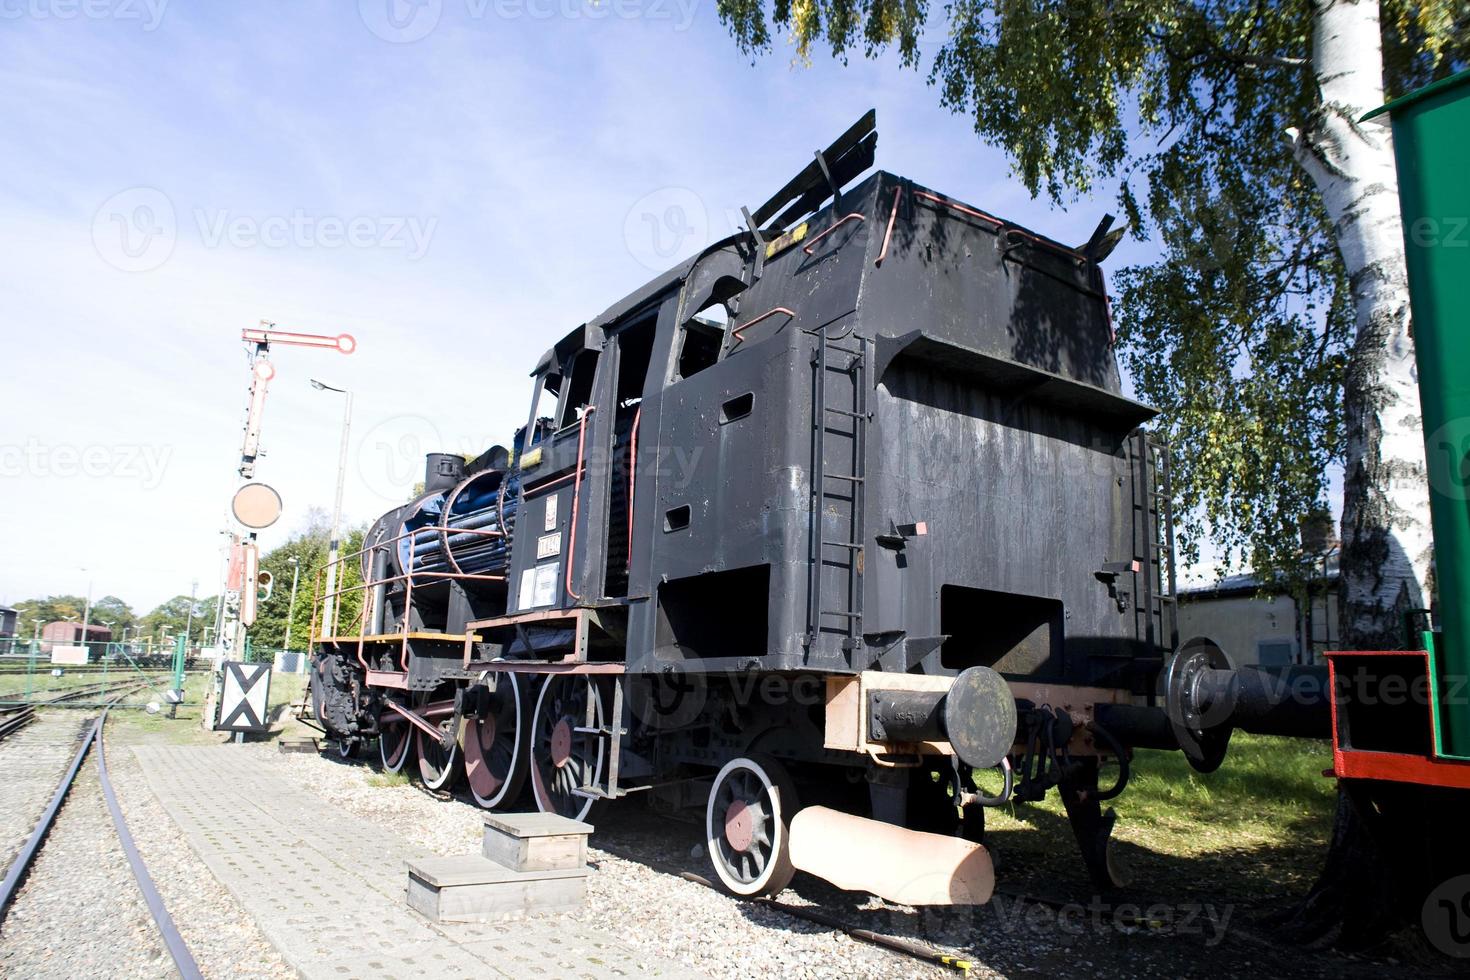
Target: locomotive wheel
[747, 825]
[494, 752]
[395, 742]
[563, 759]
[440, 768]
[346, 747]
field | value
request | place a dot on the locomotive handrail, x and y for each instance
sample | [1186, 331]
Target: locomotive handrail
[632, 479]
[735, 331]
[576, 500]
[888, 235]
[835, 225]
[370, 582]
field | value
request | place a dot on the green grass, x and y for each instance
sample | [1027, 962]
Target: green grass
[381, 779]
[142, 726]
[13, 685]
[1264, 818]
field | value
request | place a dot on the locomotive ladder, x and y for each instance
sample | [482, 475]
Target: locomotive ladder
[833, 357]
[1156, 601]
[610, 733]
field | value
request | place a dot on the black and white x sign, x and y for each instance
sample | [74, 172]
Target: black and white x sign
[243, 701]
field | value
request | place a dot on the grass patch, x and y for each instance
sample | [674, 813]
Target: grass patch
[1257, 827]
[381, 779]
[41, 684]
[185, 727]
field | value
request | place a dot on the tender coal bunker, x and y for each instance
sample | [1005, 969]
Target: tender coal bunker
[1012, 633]
[719, 614]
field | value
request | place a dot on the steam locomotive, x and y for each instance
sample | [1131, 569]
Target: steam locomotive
[810, 531]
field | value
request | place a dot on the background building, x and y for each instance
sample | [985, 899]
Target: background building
[1263, 625]
[62, 631]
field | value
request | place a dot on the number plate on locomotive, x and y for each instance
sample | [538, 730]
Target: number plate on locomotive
[548, 545]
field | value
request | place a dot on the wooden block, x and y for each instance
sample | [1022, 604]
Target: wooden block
[476, 889]
[298, 745]
[535, 841]
[536, 824]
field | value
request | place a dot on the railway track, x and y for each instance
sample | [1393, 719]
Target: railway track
[14, 717]
[85, 696]
[15, 876]
[13, 720]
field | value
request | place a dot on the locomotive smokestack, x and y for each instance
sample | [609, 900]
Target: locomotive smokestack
[442, 471]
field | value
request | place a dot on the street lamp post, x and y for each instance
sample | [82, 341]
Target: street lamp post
[87, 614]
[329, 609]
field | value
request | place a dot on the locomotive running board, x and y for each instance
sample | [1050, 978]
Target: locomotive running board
[909, 867]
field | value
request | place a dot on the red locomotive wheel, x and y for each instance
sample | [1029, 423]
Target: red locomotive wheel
[395, 741]
[563, 759]
[747, 825]
[493, 746]
[439, 768]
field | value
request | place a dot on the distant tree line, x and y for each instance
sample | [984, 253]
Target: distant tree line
[308, 546]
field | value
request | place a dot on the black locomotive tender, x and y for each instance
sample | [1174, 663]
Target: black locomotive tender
[840, 511]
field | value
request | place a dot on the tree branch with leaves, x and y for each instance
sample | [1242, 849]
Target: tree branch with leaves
[1273, 331]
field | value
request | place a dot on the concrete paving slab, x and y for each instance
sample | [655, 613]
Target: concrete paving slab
[330, 894]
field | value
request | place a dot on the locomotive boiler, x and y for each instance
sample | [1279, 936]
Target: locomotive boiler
[808, 532]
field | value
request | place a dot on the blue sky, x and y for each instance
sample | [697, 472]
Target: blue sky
[456, 200]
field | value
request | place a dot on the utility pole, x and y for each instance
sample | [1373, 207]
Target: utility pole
[330, 608]
[87, 617]
[189, 618]
[291, 605]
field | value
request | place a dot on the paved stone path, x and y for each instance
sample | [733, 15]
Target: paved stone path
[328, 888]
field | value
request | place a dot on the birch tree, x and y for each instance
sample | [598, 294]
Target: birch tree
[1274, 329]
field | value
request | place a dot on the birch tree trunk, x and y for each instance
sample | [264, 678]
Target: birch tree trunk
[1387, 547]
